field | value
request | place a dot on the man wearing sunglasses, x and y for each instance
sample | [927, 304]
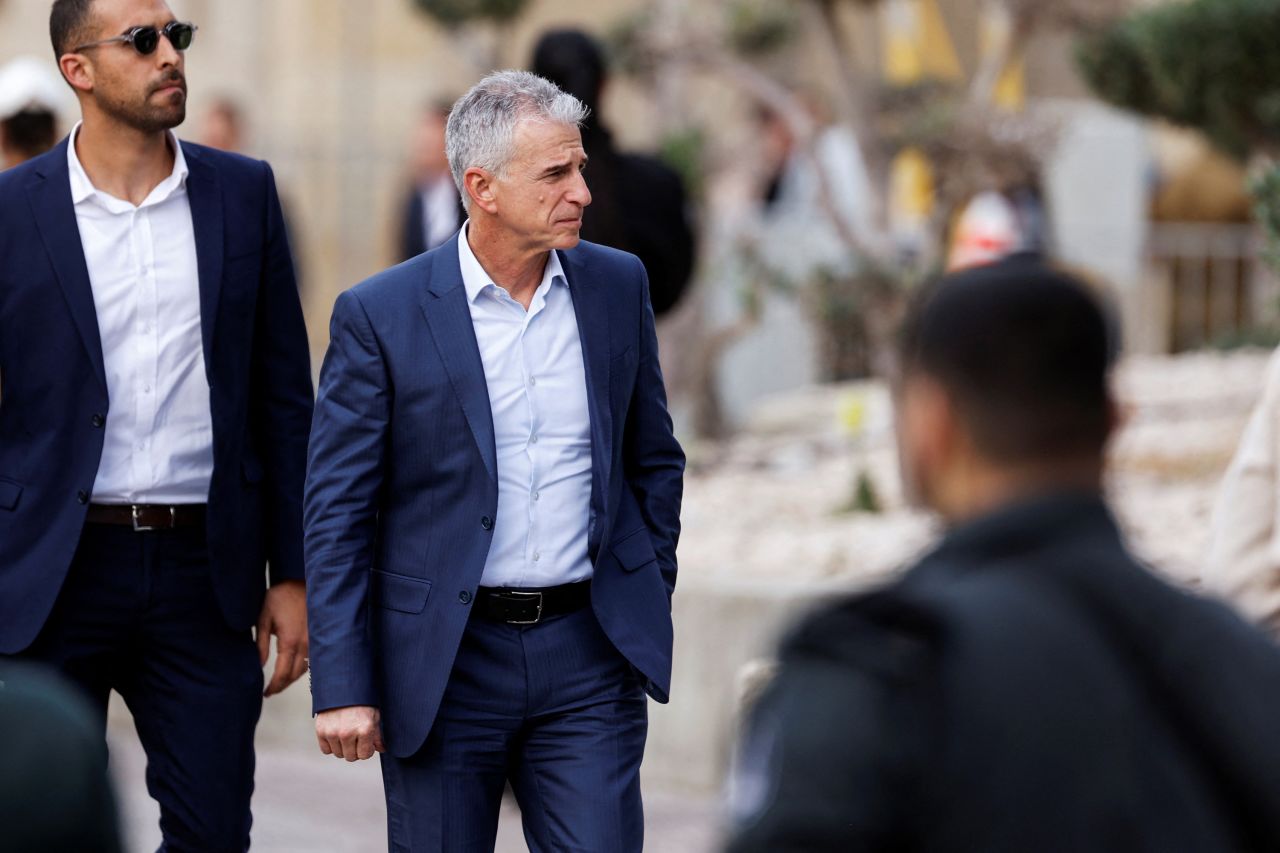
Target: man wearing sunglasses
[153, 424]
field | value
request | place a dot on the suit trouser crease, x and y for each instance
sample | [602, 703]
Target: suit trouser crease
[554, 710]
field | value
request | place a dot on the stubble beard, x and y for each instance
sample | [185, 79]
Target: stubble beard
[150, 115]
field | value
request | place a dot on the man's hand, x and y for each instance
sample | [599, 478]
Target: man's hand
[353, 732]
[284, 613]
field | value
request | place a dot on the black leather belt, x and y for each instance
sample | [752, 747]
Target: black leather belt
[531, 606]
[144, 517]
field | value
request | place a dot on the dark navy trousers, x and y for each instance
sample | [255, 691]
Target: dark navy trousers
[137, 614]
[551, 708]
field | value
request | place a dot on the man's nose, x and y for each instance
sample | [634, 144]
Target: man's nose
[167, 55]
[579, 194]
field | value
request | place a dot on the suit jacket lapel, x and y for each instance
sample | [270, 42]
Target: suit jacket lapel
[50, 196]
[444, 305]
[593, 330]
[204, 191]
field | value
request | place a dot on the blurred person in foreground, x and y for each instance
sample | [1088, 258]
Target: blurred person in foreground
[31, 96]
[1028, 685]
[55, 795]
[639, 202]
[493, 504]
[432, 210]
[153, 424]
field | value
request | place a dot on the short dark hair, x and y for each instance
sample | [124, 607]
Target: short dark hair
[574, 61]
[1024, 351]
[68, 24]
[30, 132]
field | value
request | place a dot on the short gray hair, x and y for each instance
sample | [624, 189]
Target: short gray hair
[482, 124]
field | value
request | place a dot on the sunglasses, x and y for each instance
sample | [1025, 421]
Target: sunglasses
[145, 40]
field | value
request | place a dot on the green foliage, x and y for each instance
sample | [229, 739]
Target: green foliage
[760, 27]
[1265, 190]
[452, 13]
[685, 151]
[1206, 64]
[865, 498]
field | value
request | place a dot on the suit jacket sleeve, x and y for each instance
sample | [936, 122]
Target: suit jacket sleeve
[344, 478]
[652, 459]
[282, 393]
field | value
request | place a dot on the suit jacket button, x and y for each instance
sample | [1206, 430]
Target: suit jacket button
[99, 421]
[486, 523]
[82, 496]
[464, 597]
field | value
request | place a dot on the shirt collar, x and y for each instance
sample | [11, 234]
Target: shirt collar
[83, 189]
[476, 280]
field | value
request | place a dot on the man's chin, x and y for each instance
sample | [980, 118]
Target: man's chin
[567, 240]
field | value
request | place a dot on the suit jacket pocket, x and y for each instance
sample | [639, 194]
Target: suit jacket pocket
[9, 494]
[634, 550]
[400, 592]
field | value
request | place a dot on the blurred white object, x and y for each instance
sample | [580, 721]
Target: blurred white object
[28, 83]
[1243, 563]
[988, 230]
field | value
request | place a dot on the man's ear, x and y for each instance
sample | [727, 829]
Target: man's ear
[77, 70]
[934, 421]
[479, 185]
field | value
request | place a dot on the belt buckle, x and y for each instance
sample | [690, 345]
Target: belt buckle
[524, 596]
[139, 527]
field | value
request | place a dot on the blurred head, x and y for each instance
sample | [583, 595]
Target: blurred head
[427, 158]
[1003, 388]
[516, 154]
[574, 61]
[26, 134]
[114, 81]
[31, 96]
[223, 126]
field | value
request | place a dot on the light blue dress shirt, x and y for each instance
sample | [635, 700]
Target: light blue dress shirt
[541, 425]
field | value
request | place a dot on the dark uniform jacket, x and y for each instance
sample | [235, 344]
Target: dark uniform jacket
[1027, 687]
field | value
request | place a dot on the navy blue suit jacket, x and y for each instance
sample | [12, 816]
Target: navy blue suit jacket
[402, 484]
[53, 391]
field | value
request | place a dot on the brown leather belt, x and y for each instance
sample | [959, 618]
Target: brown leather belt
[144, 517]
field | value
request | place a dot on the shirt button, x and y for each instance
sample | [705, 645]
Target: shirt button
[82, 496]
[486, 523]
[536, 496]
[464, 597]
[98, 421]
[536, 556]
[533, 382]
[533, 440]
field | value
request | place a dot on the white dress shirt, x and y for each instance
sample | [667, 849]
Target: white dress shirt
[158, 445]
[542, 428]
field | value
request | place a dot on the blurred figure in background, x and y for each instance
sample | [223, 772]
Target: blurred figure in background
[31, 96]
[1028, 685]
[432, 210]
[223, 126]
[639, 203]
[55, 796]
[1243, 562]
